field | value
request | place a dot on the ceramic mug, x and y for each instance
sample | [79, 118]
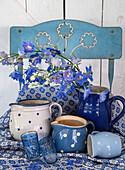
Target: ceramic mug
[103, 144]
[70, 133]
[33, 114]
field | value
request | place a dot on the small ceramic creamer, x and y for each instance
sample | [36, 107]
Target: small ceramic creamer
[70, 133]
[31, 115]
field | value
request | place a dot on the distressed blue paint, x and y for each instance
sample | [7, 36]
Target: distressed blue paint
[108, 45]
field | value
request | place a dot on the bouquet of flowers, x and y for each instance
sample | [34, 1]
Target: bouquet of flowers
[60, 70]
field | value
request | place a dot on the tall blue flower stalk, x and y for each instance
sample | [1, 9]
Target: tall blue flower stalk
[60, 70]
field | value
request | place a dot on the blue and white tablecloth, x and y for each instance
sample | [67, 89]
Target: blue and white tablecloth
[13, 157]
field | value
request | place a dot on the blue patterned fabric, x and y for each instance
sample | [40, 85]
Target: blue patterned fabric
[13, 157]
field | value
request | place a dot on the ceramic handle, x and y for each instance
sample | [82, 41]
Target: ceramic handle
[94, 132]
[90, 126]
[55, 104]
[122, 112]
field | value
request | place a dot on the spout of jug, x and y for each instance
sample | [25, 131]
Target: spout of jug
[54, 124]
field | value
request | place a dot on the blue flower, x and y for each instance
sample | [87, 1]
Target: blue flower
[29, 72]
[55, 62]
[18, 63]
[64, 64]
[64, 85]
[45, 52]
[103, 96]
[5, 59]
[54, 51]
[28, 47]
[57, 78]
[48, 59]
[89, 73]
[25, 87]
[80, 78]
[35, 59]
[21, 53]
[68, 75]
[15, 75]
[75, 60]
[49, 68]
[40, 79]
[87, 92]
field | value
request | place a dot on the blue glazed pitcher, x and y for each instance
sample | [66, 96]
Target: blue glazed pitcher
[99, 113]
[70, 133]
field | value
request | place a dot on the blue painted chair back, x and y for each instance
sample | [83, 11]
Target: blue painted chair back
[82, 39]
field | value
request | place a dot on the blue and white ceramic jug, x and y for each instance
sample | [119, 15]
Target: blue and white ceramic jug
[70, 133]
[99, 113]
[31, 115]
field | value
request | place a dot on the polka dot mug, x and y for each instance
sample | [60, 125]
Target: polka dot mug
[32, 115]
[103, 144]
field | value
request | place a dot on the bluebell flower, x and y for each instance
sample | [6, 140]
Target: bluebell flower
[64, 64]
[48, 59]
[35, 59]
[21, 53]
[64, 85]
[80, 78]
[15, 75]
[28, 47]
[40, 80]
[45, 52]
[57, 78]
[55, 62]
[54, 51]
[5, 59]
[29, 72]
[49, 68]
[103, 96]
[18, 63]
[89, 73]
[87, 92]
[68, 75]
[25, 86]
[75, 60]
[3, 55]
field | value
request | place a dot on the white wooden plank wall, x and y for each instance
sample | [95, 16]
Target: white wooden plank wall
[32, 12]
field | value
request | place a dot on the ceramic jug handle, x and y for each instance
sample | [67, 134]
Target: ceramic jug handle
[55, 104]
[94, 132]
[122, 112]
[90, 126]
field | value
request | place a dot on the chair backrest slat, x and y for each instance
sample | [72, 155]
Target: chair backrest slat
[82, 39]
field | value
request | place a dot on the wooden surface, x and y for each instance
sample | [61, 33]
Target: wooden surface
[15, 13]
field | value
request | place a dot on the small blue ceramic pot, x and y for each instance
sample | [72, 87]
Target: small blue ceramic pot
[103, 144]
[70, 133]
